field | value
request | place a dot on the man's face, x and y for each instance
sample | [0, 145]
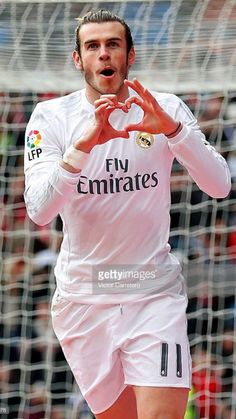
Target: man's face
[103, 57]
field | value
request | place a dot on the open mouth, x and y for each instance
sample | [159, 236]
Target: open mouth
[107, 72]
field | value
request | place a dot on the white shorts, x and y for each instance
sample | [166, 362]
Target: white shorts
[108, 347]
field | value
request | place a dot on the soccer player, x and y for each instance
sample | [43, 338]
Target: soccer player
[101, 157]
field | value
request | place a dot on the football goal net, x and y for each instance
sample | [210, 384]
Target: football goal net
[186, 47]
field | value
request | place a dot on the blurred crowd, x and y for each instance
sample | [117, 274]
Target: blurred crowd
[35, 381]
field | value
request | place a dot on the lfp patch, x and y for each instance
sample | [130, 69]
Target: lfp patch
[33, 139]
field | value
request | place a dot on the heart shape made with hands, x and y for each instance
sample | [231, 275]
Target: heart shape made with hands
[119, 119]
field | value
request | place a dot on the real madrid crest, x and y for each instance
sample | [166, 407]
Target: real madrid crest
[145, 140]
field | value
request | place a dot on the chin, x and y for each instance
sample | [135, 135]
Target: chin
[106, 87]
[114, 89]
[107, 91]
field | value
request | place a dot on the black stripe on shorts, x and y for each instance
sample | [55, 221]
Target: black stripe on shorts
[164, 359]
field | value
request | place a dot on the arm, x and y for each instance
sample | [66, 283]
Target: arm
[204, 164]
[49, 181]
[48, 186]
[207, 167]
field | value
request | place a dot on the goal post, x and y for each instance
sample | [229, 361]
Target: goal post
[185, 47]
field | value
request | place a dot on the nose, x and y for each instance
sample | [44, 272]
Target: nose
[104, 54]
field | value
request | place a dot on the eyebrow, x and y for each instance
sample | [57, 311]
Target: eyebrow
[97, 40]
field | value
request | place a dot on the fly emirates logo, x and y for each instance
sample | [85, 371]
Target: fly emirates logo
[115, 184]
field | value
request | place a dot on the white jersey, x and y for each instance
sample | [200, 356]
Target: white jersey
[115, 212]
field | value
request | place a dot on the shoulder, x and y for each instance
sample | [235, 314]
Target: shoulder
[175, 106]
[166, 98]
[59, 107]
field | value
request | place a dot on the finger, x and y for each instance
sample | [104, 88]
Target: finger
[119, 105]
[138, 84]
[111, 105]
[147, 97]
[104, 110]
[111, 97]
[135, 85]
[100, 101]
[103, 106]
[124, 109]
[142, 91]
[146, 94]
[122, 106]
[134, 99]
[151, 99]
[106, 99]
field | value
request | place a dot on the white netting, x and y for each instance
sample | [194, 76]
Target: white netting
[185, 46]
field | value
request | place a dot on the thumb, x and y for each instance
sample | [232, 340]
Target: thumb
[133, 127]
[122, 134]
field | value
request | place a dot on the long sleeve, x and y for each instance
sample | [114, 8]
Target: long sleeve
[204, 164]
[48, 186]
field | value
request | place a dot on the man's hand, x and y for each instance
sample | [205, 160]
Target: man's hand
[155, 119]
[101, 131]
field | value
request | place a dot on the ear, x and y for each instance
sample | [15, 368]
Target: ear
[77, 60]
[131, 57]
